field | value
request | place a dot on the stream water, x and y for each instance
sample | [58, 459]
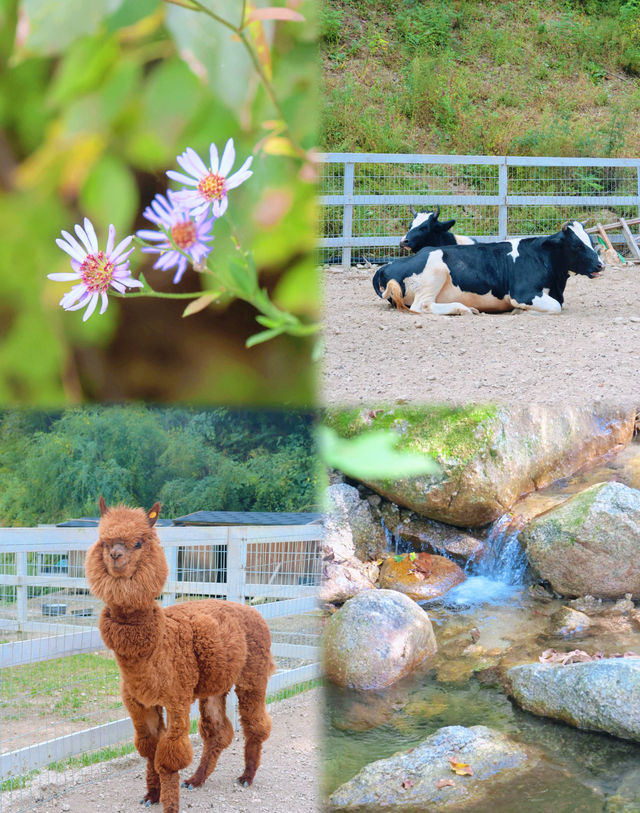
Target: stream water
[583, 770]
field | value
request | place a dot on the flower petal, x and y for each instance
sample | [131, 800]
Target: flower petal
[197, 162]
[147, 234]
[178, 176]
[182, 267]
[228, 157]
[91, 234]
[213, 157]
[63, 277]
[83, 238]
[91, 306]
[237, 178]
[117, 251]
[73, 250]
[110, 240]
[105, 302]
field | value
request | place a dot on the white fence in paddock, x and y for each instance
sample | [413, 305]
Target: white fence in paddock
[59, 686]
[364, 198]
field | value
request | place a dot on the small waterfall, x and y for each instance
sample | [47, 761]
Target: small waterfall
[505, 559]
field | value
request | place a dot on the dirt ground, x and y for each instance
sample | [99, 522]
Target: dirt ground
[586, 354]
[286, 779]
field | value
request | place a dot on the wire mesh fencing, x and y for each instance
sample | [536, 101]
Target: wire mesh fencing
[61, 715]
[364, 198]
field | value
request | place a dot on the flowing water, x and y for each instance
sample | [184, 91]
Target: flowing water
[583, 769]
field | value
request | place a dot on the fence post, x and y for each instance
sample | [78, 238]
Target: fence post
[236, 571]
[638, 171]
[503, 183]
[347, 213]
[21, 588]
[171, 553]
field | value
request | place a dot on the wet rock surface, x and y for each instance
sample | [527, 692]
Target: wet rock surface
[589, 545]
[601, 695]
[409, 780]
[436, 537]
[422, 577]
[376, 638]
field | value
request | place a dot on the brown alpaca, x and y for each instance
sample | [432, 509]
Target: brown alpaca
[168, 658]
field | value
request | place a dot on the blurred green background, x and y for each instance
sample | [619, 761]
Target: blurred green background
[96, 100]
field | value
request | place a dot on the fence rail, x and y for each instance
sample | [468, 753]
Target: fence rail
[47, 614]
[364, 196]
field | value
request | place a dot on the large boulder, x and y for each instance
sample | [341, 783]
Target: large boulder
[489, 455]
[600, 695]
[351, 536]
[376, 638]
[422, 576]
[409, 780]
[590, 544]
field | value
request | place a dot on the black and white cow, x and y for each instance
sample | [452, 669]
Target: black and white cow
[528, 272]
[427, 230]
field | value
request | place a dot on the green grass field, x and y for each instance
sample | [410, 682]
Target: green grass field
[527, 77]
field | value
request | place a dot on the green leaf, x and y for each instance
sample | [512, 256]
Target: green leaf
[82, 68]
[264, 336]
[212, 52]
[412, 556]
[372, 456]
[110, 194]
[398, 557]
[54, 25]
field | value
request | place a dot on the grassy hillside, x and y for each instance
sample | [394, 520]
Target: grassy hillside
[527, 77]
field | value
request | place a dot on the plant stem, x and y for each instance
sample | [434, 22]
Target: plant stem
[268, 86]
[160, 295]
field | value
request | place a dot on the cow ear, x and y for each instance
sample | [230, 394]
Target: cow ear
[103, 506]
[446, 225]
[153, 513]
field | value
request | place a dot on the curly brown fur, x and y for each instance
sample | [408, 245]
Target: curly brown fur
[169, 658]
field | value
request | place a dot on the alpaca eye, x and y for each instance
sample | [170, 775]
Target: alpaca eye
[138, 545]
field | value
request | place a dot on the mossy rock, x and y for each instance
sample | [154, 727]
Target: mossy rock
[489, 456]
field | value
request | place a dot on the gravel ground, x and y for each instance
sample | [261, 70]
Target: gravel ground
[286, 781]
[587, 353]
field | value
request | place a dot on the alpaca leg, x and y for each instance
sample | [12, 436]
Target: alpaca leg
[148, 723]
[173, 753]
[256, 725]
[217, 734]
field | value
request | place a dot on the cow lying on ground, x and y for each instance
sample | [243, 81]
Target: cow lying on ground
[528, 272]
[427, 230]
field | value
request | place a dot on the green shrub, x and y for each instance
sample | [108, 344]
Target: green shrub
[331, 20]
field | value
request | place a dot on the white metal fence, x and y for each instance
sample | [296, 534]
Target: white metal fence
[60, 703]
[364, 197]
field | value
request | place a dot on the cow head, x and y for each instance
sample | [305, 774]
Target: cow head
[427, 230]
[574, 246]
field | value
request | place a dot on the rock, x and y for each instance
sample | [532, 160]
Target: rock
[423, 578]
[351, 532]
[601, 695]
[436, 537]
[407, 781]
[378, 637]
[351, 523]
[626, 799]
[567, 622]
[490, 455]
[343, 580]
[589, 544]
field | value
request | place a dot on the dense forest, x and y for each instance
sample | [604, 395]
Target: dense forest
[526, 77]
[54, 465]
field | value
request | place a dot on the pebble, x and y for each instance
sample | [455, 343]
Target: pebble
[635, 319]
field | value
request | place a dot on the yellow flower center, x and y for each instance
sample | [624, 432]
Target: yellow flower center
[212, 186]
[184, 234]
[96, 272]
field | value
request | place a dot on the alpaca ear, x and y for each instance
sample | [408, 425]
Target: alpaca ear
[153, 513]
[103, 506]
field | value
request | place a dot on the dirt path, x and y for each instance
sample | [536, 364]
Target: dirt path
[588, 353]
[285, 782]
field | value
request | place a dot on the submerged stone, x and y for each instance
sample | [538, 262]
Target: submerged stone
[422, 576]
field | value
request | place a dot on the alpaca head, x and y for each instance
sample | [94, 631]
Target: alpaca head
[126, 567]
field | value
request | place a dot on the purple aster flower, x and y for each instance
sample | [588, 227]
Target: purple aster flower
[191, 235]
[211, 184]
[94, 270]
